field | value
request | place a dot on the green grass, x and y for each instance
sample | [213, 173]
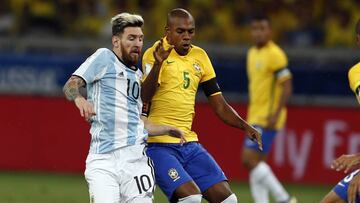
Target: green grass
[16, 187]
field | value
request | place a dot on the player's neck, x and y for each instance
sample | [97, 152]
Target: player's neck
[261, 45]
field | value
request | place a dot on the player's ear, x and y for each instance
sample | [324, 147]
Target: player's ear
[167, 30]
[115, 41]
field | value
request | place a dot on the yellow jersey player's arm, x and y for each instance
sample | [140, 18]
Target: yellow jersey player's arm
[354, 80]
[155, 130]
[225, 112]
[283, 78]
[153, 59]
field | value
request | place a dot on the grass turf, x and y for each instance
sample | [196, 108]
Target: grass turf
[20, 187]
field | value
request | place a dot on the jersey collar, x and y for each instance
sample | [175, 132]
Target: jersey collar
[134, 68]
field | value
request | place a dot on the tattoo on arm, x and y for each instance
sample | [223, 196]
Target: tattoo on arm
[72, 86]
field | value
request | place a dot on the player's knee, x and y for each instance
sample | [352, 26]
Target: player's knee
[191, 199]
[250, 159]
[231, 199]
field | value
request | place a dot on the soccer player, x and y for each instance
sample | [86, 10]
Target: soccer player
[348, 189]
[185, 173]
[117, 169]
[269, 90]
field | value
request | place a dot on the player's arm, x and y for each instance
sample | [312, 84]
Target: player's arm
[225, 112]
[149, 85]
[71, 90]
[284, 98]
[155, 130]
[354, 189]
[346, 162]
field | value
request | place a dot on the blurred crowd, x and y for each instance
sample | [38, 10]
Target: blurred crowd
[328, 23]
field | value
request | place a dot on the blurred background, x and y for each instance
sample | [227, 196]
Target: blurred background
[45, 142]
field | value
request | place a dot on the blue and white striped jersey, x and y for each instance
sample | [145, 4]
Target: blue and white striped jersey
[114, 90]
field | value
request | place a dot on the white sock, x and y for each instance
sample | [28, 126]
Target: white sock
[267, 179]
[258, 190]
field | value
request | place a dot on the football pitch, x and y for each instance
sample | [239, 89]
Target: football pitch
[20, 187]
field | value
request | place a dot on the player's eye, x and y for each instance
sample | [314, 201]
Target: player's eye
[180, 31]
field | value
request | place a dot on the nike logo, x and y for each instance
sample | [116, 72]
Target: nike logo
[170, 62]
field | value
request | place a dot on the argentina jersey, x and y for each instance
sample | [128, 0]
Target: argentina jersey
[114, 91]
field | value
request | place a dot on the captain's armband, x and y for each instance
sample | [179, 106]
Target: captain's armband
[210, 87]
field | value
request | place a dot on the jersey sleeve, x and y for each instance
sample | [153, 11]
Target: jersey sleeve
[148, 61]
[354, 80]
[94, 67]
[209, 71]
[279, 64]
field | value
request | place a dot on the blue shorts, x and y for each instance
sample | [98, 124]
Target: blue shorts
[267, 140]
[341, 188]
[175, 165]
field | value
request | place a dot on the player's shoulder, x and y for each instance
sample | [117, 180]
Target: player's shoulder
[354, 69]
[103, 51]
[196, 50]
[151, 49]
[275, 51]
[275, 48]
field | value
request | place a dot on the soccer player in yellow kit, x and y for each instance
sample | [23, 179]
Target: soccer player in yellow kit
[348, 189]
[175, 68]
[269, 89]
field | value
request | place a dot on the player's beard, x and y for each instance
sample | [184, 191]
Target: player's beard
[130, 58]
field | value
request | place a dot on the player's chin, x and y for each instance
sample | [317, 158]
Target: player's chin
[134, 58]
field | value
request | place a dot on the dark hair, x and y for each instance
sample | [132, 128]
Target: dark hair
[123, 20]
[177, 13]
[259, 17]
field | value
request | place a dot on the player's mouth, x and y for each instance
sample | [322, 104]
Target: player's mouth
[186, 46]
[135, 52]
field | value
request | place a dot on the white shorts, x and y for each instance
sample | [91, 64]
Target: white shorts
[123, 175]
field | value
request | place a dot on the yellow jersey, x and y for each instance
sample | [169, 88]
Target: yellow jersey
[266, 69]
[174, 100]
[354, 79]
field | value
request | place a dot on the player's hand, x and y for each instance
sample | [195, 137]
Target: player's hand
[160, 54]
[255, 136]
[85, 107]
[354, 189]
[346, 162]
[175, 132]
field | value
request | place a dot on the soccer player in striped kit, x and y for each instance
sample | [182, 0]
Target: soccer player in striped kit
[117, 168]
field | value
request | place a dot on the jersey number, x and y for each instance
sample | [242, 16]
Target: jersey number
[143, 183]
[133, 89]
[351, 176]
[186, 80]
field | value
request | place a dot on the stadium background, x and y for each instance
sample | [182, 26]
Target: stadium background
[42, 42]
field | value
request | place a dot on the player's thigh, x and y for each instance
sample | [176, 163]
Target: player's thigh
[137, 179]
[203, 168]
[218, 192]
[169, 172]
[101, 179]
[332, 197]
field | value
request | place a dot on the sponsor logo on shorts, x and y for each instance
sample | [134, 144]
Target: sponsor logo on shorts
[173, 174]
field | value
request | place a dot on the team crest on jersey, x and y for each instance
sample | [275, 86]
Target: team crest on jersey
[258, 64]
[196, 65]
[173, 174]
